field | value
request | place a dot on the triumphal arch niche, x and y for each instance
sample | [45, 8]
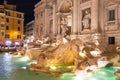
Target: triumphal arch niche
[64, 17]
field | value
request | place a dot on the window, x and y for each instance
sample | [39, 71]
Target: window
[2, 17]
[7, 19]
[18, 28]
[2, 33]
[19, 22]
[2, 25]
[19, 15]
[7, 36]
[1, 10]
[18, 36]
[36, 16]
[111, 15]
[7, 27]
[111, 40]
[7, 13]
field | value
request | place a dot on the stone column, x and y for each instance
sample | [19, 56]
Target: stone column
[58, 23]
[75, 17]
[94, 16]
[46, 20]
[54, 19]
[35, 29]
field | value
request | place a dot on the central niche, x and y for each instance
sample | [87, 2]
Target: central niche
[65, 18]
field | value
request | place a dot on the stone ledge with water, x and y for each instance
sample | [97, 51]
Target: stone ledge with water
[73, 56]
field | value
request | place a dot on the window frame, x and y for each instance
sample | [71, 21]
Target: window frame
[109, 7]
[7, 27]
[7, 36]
[111, 15]
[111, 40]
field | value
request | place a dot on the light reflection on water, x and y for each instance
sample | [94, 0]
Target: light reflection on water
[13, 68]
[4, 66]
[7, 64]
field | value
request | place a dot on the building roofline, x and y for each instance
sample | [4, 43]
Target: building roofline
[39, 3]
[30, 22]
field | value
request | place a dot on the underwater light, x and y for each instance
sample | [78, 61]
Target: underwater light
[25, 58]
[24, 67]
[53, 67]
[19, 53]
[70, 67]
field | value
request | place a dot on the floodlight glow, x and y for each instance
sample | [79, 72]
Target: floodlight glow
[8, 42]
[53, 67]
[17, 43]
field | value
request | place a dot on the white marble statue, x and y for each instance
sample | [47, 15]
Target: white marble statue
[63, 26]
[86, 20]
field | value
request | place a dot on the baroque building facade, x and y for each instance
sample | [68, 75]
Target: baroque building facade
[79, 19]
[11, 24]
[29, 31]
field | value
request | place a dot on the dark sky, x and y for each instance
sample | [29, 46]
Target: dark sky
[26, 6]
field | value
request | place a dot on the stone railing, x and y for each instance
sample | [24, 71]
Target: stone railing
[83, 1]
[112, 25]
[114, 22]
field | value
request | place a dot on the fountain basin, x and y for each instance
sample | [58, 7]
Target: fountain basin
[117, 73]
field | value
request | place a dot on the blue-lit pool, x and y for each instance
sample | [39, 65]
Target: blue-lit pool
[15, 68]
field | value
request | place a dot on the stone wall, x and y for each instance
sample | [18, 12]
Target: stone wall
[98, 17]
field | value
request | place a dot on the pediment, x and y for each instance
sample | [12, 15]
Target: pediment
[111, 2]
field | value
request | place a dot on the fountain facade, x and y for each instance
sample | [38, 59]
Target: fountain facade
[65, 43]
[79, 19]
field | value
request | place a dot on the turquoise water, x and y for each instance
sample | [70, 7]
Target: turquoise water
[15, 68]
[106, 73]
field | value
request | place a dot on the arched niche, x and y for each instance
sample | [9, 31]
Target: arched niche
[65, 15]
[65, 6]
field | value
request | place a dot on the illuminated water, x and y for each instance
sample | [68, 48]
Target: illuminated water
[106, 73]
[15, 68]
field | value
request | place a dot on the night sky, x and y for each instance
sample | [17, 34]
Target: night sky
[25, 6]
